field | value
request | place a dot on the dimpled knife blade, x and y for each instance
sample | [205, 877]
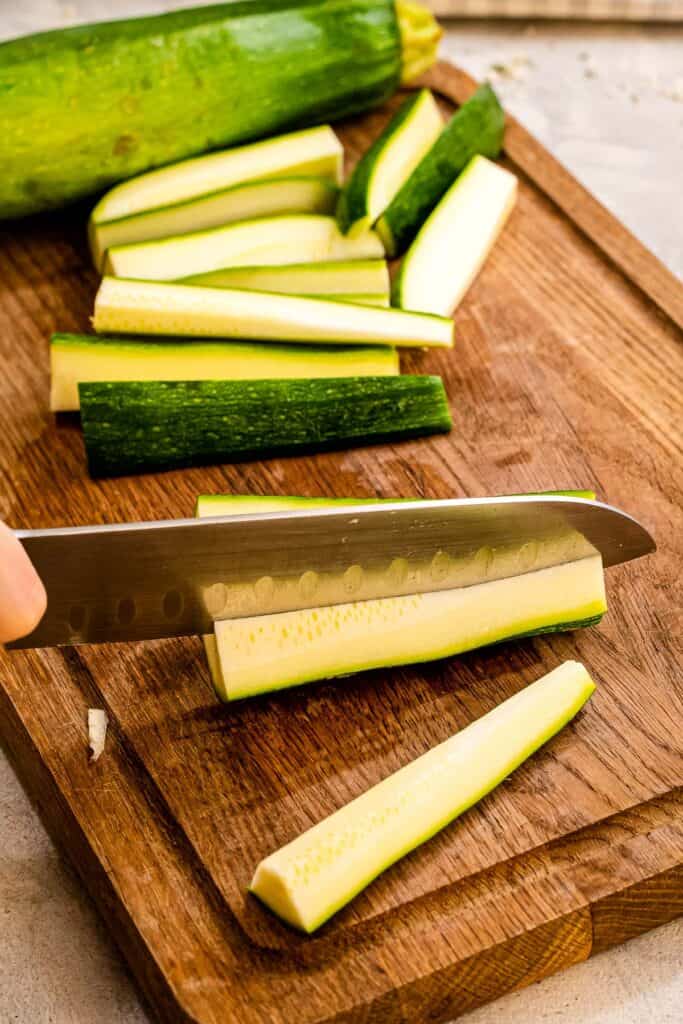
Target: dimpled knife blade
[140, 581]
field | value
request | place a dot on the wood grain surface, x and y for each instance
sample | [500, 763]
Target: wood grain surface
[566, 372]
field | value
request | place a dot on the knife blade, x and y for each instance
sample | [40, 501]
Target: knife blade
[141, 581]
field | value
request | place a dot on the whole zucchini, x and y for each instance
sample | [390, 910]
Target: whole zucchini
[88, 106]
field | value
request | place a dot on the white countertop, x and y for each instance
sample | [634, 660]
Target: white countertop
[608, 101]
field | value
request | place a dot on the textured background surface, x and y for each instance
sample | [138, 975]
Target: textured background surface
[631, 10]
[608, 101]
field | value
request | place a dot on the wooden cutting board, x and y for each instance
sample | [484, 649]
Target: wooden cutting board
[566, 373]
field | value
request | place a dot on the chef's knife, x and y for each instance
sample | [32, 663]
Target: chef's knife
[139, 581]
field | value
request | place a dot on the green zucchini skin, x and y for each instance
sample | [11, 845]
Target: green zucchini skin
[85, 107]
[476, 129]
[353, 202]
[147, 426]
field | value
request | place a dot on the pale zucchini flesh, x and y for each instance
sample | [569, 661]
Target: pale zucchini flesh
[150, 307]
[270, 652]
[76, 359]
[331, 277]
[452, 245]
[389, 162]
[247, 504]
[265, 241]
[317, 873]
[313, 151]
[254, 504]
[263, 198]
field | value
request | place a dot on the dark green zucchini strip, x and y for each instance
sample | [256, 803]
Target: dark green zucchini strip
[145, 426]
[476, 129]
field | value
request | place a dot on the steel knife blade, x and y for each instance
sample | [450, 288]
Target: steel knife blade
[140, 581]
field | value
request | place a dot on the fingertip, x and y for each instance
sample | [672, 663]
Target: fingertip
[23, 599]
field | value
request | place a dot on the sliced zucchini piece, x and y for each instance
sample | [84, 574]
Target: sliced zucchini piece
[272, 652]
[329, 278]
[478, 127]
[265, 241]
[384, 168]
[455, 240]
[144, 426]
[149, 307]
[76, 358]
[266, 197]
[246, 504]
[312, 877]
[313, 151]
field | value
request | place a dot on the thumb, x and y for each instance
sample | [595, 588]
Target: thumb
[22, 595]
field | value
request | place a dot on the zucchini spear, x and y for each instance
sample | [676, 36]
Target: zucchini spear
[271, 652]
[388, 163]
[149, 307]
[361, 277]
[318, 872]
[143, 426]
[476, 128]
[262, 241]
[245, 504]
[246, 201]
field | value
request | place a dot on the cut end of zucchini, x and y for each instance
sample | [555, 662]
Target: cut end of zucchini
[318, 872]
[214, 664]
[453, 244]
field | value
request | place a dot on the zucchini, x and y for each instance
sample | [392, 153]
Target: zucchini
[271, 652]
[76, 358]
[477, 128]
[253, 504]
[312, 877]
[148, 307]
[138, 427]
[89, 106]
[387, 164]
[264, 241]
[452, 245]
[241, 202]
[369, 276]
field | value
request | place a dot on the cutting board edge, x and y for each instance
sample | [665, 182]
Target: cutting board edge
[652, 900]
